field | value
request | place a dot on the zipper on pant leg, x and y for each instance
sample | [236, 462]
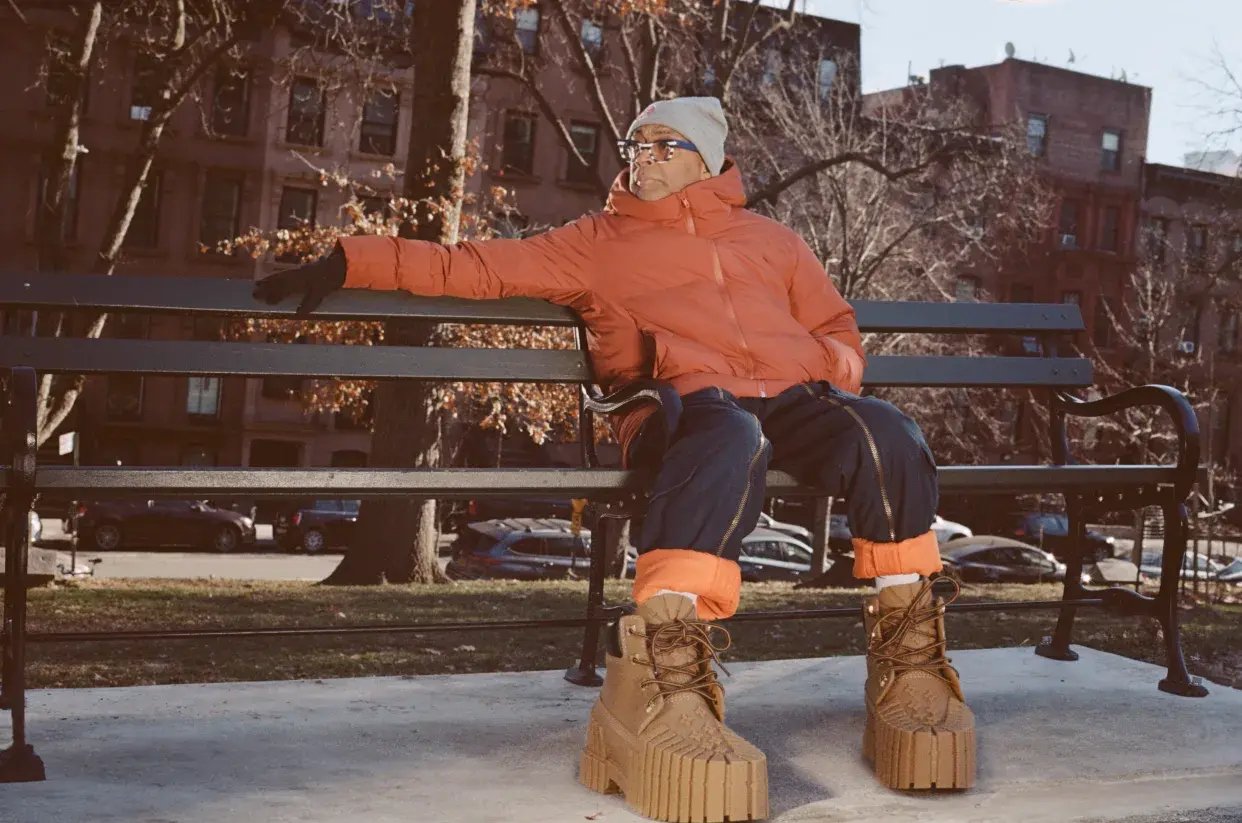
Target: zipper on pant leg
[879, 467]
[737, 517]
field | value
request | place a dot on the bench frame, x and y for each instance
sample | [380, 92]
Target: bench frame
[614, 494]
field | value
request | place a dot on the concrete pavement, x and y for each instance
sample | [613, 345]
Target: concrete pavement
[1092, 740]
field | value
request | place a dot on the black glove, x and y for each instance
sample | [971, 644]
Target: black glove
[314, 280]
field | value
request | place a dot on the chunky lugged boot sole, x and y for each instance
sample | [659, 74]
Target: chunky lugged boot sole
[920, 759]
[674, 780]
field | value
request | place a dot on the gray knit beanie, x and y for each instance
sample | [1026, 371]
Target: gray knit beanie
[700, 119]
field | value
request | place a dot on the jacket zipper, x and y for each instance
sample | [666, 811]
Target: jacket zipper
[728, 299]
[875, 457]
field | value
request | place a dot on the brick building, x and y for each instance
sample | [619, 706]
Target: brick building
[1091, 135]
[1193, 233]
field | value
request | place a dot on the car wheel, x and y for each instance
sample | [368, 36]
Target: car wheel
[313, 541]
[107, 537]
[226, 540]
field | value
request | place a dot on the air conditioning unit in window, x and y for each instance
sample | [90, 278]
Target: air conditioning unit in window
[1186, 346]
[1069, 241]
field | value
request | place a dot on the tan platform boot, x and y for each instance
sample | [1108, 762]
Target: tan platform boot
[920, 733]
[657, 732]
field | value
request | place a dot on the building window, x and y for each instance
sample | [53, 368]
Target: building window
[1227, 339]
[1068, 225]
[1105, 319]
[196, 454]
[1021, 293]
[202, 397]
[1074, 298]
[1037, 134]
[1110, 150]
[124, 400]
[230, 106]
[129, 326]
[297, 211]
[306, 111]
[69, 222]
[281, 387]
[592, 35]
[527, 25]
[379, 123]
[59, 73]
[144, 226]
[221, 208]
[826, 77]
[349, 459]
[586, 141]
[1157, 239]
[519, 143]
[147, 88]
[966, 289]
[1109, 228]
[1196, 245]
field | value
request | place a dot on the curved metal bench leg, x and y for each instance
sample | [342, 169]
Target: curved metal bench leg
[584, 673]
[1178, 681]
[1058, 646]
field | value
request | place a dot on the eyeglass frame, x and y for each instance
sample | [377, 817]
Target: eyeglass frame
[640, 148]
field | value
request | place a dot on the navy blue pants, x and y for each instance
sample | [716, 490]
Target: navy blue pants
[709, 489]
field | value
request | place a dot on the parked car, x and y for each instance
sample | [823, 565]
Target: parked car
[1194, 566]
[315, 526]
[1050, 531]
[459, 515]
[36, 529]
[946, 530]
[839, 534]
[766, 521]
[991, 559]
[113, 524]
[520, 548]
[1231, 573]
[769, 555]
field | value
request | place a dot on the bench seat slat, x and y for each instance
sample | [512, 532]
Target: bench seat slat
[232, 297]
[459, 483]
[192, 357]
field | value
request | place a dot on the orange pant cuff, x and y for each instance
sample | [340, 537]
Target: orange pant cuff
[716, 580]
[917, 555]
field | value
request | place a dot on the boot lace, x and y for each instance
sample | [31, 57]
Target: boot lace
[930, 657]
[700, 679]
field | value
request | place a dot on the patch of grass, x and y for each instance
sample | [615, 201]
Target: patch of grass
[1210, 633]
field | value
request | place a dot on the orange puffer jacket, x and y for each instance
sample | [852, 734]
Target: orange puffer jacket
[692, 288]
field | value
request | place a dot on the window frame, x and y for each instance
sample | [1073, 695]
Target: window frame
[506, 167]
[149, 206]
[303, 82]
[282, 222]
[1042, 149]
[574, 172]
[1110, 159]
[366, 125]
[243, 76]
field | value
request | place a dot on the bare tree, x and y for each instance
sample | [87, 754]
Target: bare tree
[175, 44]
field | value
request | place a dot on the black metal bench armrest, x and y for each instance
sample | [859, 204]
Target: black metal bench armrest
[1167, 398]
[631, 395]
[18, 428]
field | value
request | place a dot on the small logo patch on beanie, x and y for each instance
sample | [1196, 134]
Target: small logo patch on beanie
[648, 110]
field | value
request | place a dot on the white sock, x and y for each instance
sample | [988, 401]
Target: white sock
[887, 580]
[694, 598]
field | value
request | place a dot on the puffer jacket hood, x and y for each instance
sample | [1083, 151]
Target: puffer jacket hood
[692, 288]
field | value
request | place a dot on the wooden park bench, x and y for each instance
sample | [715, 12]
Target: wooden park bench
[1088, 490]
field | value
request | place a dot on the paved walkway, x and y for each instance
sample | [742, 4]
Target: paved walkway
[1092, 740]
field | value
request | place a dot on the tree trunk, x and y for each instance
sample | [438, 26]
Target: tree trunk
[396, 538]
[614, 545]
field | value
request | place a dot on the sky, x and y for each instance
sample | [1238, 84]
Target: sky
[1167, 45]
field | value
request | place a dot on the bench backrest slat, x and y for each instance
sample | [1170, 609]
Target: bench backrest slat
[191, 357]
[214, 296]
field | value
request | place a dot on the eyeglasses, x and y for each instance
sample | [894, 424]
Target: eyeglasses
[661, 150]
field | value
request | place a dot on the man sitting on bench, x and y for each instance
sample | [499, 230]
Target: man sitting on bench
[676, 279]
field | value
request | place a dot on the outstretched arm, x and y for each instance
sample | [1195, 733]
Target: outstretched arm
[554, 266]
